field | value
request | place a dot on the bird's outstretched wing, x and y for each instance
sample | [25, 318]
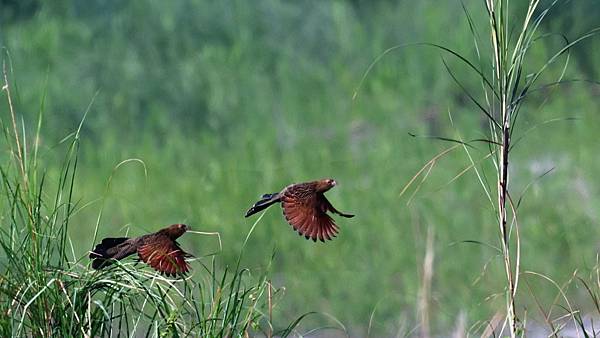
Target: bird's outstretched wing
[164, 255]
[306, 212]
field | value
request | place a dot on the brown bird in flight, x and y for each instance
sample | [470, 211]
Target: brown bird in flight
[305, 208]
[159, 250]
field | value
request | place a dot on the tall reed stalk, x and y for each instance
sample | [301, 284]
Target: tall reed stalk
[506, 82]
[504, 99]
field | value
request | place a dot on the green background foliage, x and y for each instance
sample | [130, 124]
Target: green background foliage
[226, 100]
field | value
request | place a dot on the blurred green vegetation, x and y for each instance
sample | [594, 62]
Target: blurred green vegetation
[226, 100]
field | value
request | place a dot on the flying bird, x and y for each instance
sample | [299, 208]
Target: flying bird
[305, 208]
[159, 250]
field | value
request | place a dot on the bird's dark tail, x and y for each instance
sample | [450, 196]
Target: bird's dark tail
[102, 252]
[266, 201]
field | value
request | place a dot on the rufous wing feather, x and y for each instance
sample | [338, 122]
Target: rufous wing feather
[307, 216]
[165, 256]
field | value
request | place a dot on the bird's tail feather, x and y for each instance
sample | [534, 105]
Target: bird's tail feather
[100, 253]
[266, 201]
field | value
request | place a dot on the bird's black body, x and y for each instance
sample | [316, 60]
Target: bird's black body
[115, 248]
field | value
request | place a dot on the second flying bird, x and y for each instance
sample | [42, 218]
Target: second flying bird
[305, 208]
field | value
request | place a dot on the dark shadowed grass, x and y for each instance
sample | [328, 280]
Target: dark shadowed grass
[47, 290]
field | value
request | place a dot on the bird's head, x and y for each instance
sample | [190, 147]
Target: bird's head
[176, 230]
[325, 184]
